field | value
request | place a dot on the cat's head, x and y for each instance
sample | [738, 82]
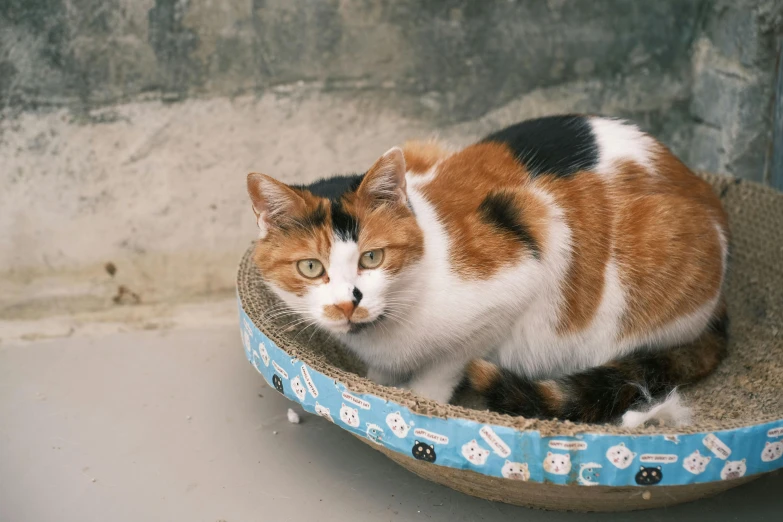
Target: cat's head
[649, 475]
[341, 251]
[558, 460]
[424, 451]
[772, 451]
[515, 467]
[349, 415]
[696, 462]
[734, 469]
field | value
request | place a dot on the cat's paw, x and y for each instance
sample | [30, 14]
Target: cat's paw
[432, 390]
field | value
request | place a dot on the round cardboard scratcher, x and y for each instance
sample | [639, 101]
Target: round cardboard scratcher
[737, 434]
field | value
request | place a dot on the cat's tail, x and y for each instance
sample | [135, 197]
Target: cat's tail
[604, 393]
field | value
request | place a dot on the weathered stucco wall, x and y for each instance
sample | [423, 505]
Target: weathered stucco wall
[128, 125]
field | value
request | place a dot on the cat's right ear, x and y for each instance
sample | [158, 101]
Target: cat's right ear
[272, 201]
[385, 181]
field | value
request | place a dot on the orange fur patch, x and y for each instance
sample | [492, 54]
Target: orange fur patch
[463, 181]
[481, 374]
[552, 395]
[584, 200]
[277, 254]
[390, 227]
[666, 245]
[421, 156]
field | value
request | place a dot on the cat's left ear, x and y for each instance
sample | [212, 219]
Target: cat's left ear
[385, 181]
[273, 201]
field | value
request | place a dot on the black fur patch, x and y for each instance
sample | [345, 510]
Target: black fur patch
[498, 210]
[558, 145]
[596, 395]
[345, 225]
[316, 218]
[357, 296]
[515, 395]
[334, 187]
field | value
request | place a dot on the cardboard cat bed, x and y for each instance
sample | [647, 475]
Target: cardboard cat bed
[737, 433]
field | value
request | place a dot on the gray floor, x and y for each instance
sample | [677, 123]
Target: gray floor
[177, 426]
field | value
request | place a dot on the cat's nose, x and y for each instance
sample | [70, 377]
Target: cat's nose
[346, 308]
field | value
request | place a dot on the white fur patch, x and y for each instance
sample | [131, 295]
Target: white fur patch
[263, 228]
[670, 411]
[621, 141]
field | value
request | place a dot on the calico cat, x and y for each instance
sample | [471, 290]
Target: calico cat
[576, 251]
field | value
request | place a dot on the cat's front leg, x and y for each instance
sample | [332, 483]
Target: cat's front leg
[438, 381]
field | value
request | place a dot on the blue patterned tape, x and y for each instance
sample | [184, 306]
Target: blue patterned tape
[586, 459]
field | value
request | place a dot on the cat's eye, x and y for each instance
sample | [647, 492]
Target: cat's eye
[371, 258]
[310, 268]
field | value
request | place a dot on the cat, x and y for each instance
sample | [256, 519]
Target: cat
[423, 451]
[772, 451]
[620, 456]
[515, 471]
[397, 424]
[733, 469]
[588, 473]
[474, 453]
[696, 463]
[323, 411]
[649, 476]
[374, 433]
[299, 390]
[557, 463]
[574, 250]
[349, 416]
[277, 382]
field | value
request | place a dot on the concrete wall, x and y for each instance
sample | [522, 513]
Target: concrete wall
[128, 125]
